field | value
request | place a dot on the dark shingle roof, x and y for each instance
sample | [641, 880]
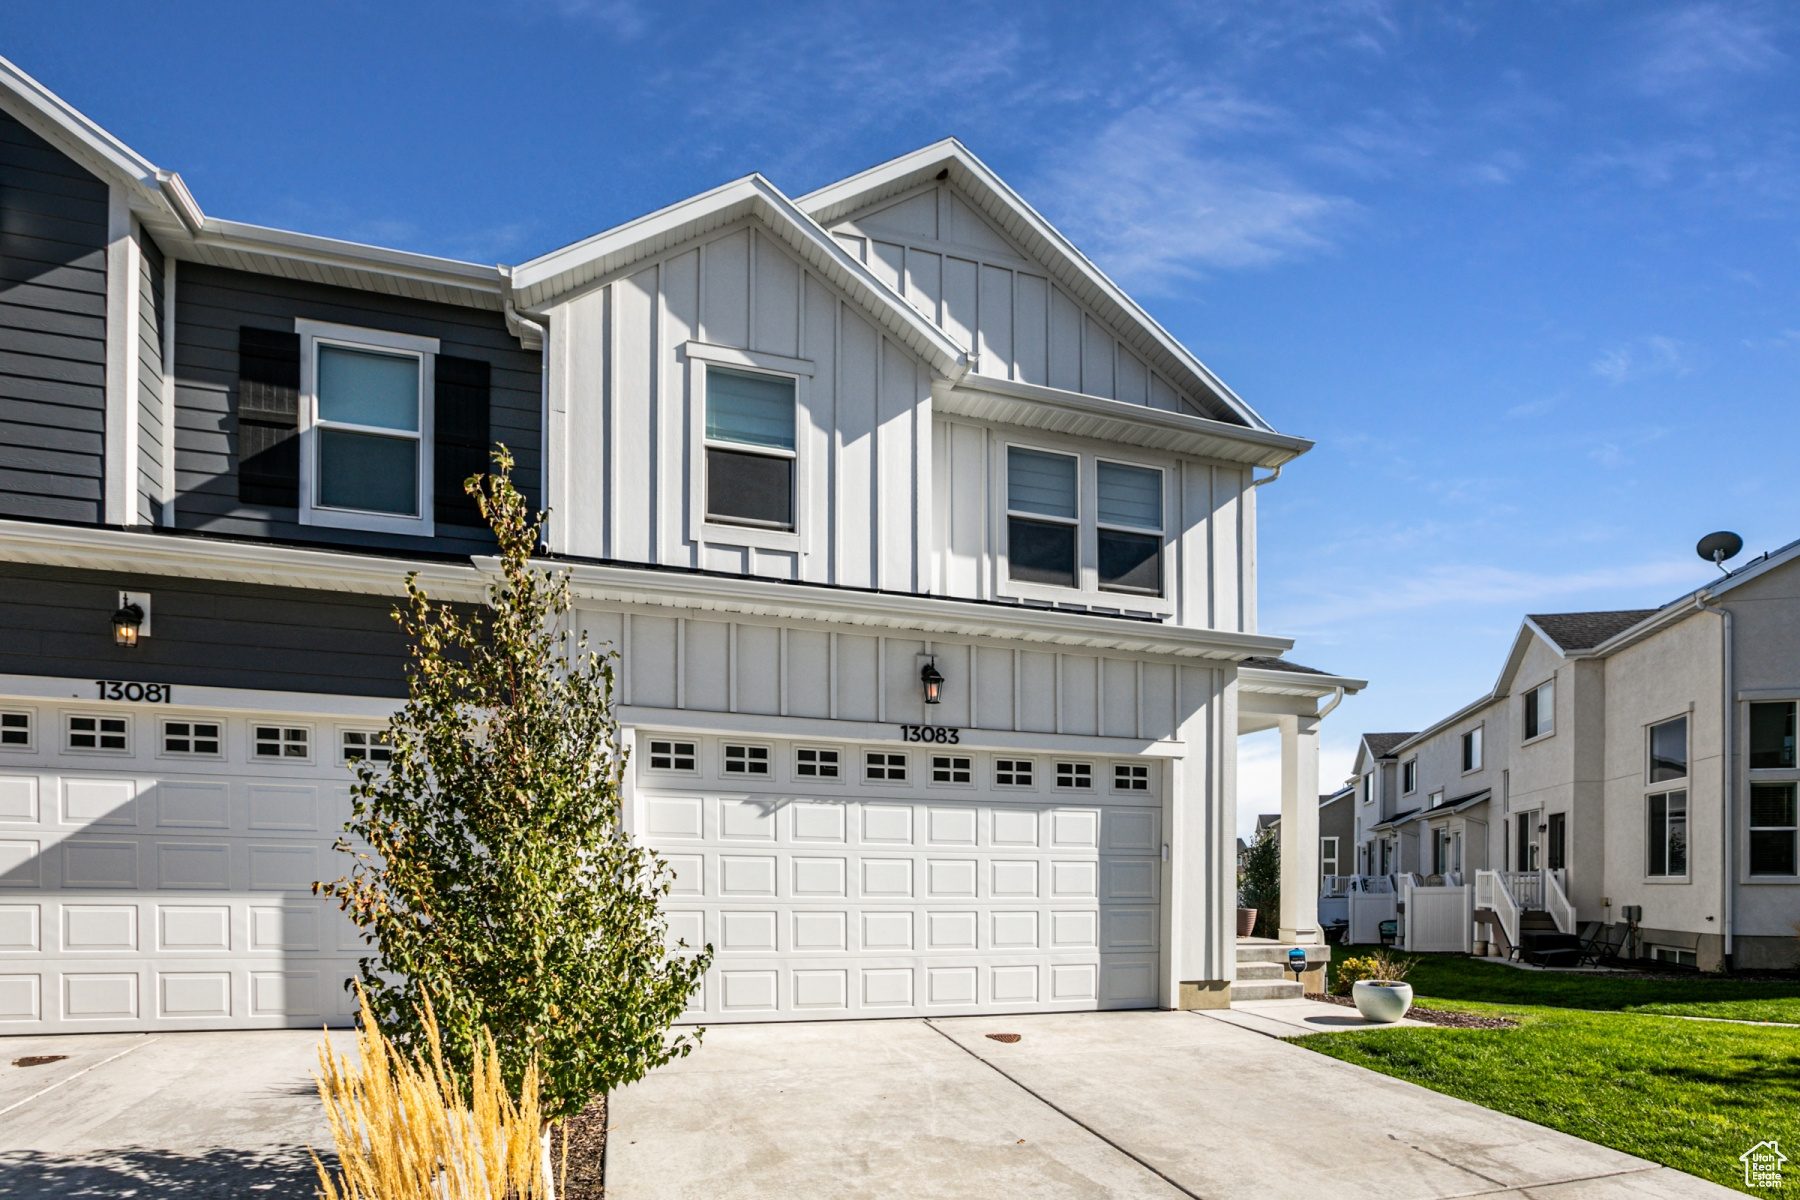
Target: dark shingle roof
[1585, 630]
[1381, 744]
[1260, 663]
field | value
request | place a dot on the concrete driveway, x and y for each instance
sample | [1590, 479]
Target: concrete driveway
[1138, 1104]
[162, 1115]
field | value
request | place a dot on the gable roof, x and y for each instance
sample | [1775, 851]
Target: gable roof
[1381, 745]
[1072, 269]
[1585, 630]
[543, 279]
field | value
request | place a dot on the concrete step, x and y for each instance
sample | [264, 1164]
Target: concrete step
[1266, 991]
[1260, 972]
[1276, 952]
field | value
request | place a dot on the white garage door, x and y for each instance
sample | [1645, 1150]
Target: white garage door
[930, 889]
[156, 868]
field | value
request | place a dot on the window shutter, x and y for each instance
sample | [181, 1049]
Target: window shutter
[268, 467]
[461, 439]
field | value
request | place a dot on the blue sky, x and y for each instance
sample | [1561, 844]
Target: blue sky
[1526, 272]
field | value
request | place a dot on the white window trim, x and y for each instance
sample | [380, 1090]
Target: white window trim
[1412, 762]
[769, 761]
[833, 780]
[974, 771]
[1161, 531]
[1087, 590]
[862, 768]
[1149, 788]
[1093, 787]
[312, 742]
[130, 733]
[1763, 774]
[1481, 757]
[994, 765]
[31, 730]
[1534, 739]
[312, 333]
[1664, 788]
[1681, 781]
[162, 750]
[373, 731]
[700, 531]
[643, 756]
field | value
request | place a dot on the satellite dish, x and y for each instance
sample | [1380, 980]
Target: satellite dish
[1715, 548]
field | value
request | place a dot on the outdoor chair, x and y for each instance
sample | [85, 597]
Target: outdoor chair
[1598, 944]
[1390, 930]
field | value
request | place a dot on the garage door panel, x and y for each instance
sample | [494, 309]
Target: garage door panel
[183, 928]
[951, 878]
[20, 997]
[1074, 982]
[1074, 929]
[97, 864]
[747, 820]
[749, 991]
[887, 824]
[193, 866]
[283, 808]
[191, 995]
[887, 878]
[100, 996]
[887, 932]
[1014, 984]
[18, 798]
[1014, 930]
[952, 985]
[99, 928]
[951, 826]
[746, 875]
[668, 817]
[284, 927]
[747, 931]
[1014, 879]
[1070, 827]
[20, 928]
[820, 877]
[816, 932]
[822, 990]
[887, 987]
[283, 868]
[99, 802]
[191, 805]
[958, 930]
[1129, 878]
[1127, 982]
[685, 926]
[19, 862]
[1133, 830]
[689, 874]
[818, 821]
[1015, 827]
[1072, 878]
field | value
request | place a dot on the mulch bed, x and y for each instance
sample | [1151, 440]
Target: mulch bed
[585, 1135]
[1436, 1016]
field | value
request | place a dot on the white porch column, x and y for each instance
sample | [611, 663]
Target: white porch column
[1299, 829]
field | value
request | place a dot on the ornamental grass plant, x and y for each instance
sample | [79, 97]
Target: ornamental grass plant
[409, 1129]
[1377, 964]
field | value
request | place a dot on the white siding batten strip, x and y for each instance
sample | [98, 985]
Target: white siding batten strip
[119, 472]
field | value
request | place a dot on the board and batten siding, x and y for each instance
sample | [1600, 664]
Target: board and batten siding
[212, 303]
[1209, 568]
[778, 670]
[150, 380]
[53, 236]
[205, 633]
[966, 276]
[620, 388]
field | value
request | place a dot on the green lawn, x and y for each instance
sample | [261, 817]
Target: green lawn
[1588, 1059]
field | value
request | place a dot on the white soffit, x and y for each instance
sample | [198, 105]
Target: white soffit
[1295, 683]
[539, 282]
[1036, 236]
[1032, 406]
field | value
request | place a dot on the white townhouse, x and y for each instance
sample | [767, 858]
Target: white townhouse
[1631, 772]
[929, 556]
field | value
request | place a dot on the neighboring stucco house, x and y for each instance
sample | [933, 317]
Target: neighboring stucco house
[1375, 776]
[929, 555]
[1645, 757]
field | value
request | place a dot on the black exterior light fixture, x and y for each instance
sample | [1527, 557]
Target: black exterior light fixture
[932, 680]
[126, 623]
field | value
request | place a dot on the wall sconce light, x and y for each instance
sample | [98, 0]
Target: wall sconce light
[132, 620]
[932, 680]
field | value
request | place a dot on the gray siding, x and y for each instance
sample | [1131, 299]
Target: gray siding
[52, 331]
[212, 303]
[206, 633]
[150, 430]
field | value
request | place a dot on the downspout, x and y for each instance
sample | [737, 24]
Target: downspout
[1256, 483]
[1337, 693]
[1728, 835]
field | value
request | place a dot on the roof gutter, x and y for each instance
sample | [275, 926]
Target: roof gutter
[1727, 776]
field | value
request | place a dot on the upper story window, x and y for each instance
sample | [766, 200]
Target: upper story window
[1368, 788]
[1540, 710]
[366, 458]
[1471, 750]
[1042, 516]
[1668, 750]
[1772, 736]
[1129, 512]
[1409, 776]
[750, 448]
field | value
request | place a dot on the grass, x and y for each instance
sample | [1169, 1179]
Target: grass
[1590, 1059]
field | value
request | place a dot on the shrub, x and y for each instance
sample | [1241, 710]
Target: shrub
[1378, 964]
[1259, 883]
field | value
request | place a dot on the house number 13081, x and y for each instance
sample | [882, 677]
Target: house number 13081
[930, 733]
[118, 689]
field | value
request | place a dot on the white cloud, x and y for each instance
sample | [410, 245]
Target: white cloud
[1151, 199]
[1654, 355]
[1691, 46]
[1259, 775]
[624, 19]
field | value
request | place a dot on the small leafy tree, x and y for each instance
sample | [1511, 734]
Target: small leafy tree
[1259, 882]
[498, 882]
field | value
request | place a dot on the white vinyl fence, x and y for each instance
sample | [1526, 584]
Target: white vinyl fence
[1440, 920]
[1367, 911]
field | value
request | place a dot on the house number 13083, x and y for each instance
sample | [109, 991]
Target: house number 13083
[930, 733]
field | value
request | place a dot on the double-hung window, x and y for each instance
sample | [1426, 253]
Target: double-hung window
[1540, 710]
[750, 448]
[1409, 776]
[367, 454]
[1668, 834]
[1772, 736]
[1668, 751]
[1129, 527]
[1471, 750]
[1772, 829]
[1042, 516]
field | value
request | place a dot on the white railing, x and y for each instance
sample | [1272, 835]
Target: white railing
[1368, 884]
[1527, 888]
[1556, 903]
[1492, 892]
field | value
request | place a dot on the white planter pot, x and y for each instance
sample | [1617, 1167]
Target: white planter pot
[1380, 1001]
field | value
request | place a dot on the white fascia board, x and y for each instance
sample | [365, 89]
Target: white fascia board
[920, 615]
[1295, 683]
[184, 697]
[1025, 225]
[94, 549]
[1034, 406]
[536, 283]
[354, 256]
[71, 129]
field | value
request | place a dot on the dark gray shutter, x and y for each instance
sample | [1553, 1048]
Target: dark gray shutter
[460, 440]
[268, 412]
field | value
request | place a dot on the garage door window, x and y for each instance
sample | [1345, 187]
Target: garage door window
[880, 767]
[816, 764]
[672, 756]
[372, 744]
[106, 735]
[950, 768]
[1012, 772]
[191, 738]
[1076, 776]
[15, 730]
[283, 741]
[746, 760]
[1131, 777]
